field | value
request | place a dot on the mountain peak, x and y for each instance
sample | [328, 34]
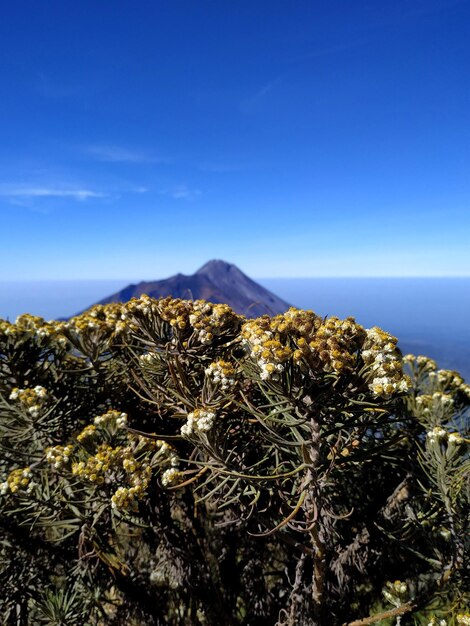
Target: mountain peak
[215, 266]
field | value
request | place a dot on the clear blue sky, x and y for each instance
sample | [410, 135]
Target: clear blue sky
[293, 138]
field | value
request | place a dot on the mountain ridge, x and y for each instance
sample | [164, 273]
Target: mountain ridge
[217, 281]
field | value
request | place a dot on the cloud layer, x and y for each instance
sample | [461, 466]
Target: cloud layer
[49, 192]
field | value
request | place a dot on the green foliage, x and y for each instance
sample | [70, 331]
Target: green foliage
[170, 462]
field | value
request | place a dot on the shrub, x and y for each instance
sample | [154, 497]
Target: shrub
[170, 462]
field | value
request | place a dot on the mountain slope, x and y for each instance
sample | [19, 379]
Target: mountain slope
[216, 281]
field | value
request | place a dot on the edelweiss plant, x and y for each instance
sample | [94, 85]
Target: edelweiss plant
[171, 462]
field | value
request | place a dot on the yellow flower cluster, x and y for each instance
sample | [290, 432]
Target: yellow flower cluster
[449, 379]
[104, 467]
[87, 433]
[129, 466]
[99, 322]
[175, 311]
[326, 345]
[30, 327]
[330, 345]
[112, 419]
[140, 307]
[59, 456]
[381, 354]
[336, 343]
[212, 320]
[26, 324]
[96, 466]
[17, 480]
[463, 619]
[198, 421]
[32, 400]
[398, 587]
[297, 322]
[206, 319]
[223, 373]
[263, 342]
[125, 497]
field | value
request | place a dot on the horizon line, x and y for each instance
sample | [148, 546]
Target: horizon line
[335, 277]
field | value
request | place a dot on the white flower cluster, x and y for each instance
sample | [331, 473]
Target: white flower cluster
[120, 327]
[433, 622]
[210, 320]
[43, 332]
[120, 419]
[382, 355]
[440, 435]
[451, 381]
[270, 354]
[221, 372]
[455, 439]
[171, 476]
[59, 456]
[39, 391]
[395, 591]
[400, 587]
[438, 403]
[167, 452]
[465, 388]
[449, 378]
[436, 435]
[198, 421]
[385, 386]
[270, 370]
[31, 399]
[205, 336]
[423, 362]
[463, 619]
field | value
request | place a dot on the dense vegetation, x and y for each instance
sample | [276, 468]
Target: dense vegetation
[169, 462]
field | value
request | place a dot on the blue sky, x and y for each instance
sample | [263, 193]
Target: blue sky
[306, 138]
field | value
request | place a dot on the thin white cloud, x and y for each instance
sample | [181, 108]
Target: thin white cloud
[250, 104]
[49, 192]
[120, 154]
[181, 192]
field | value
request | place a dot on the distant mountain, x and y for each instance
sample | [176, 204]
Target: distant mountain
[216, 281]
